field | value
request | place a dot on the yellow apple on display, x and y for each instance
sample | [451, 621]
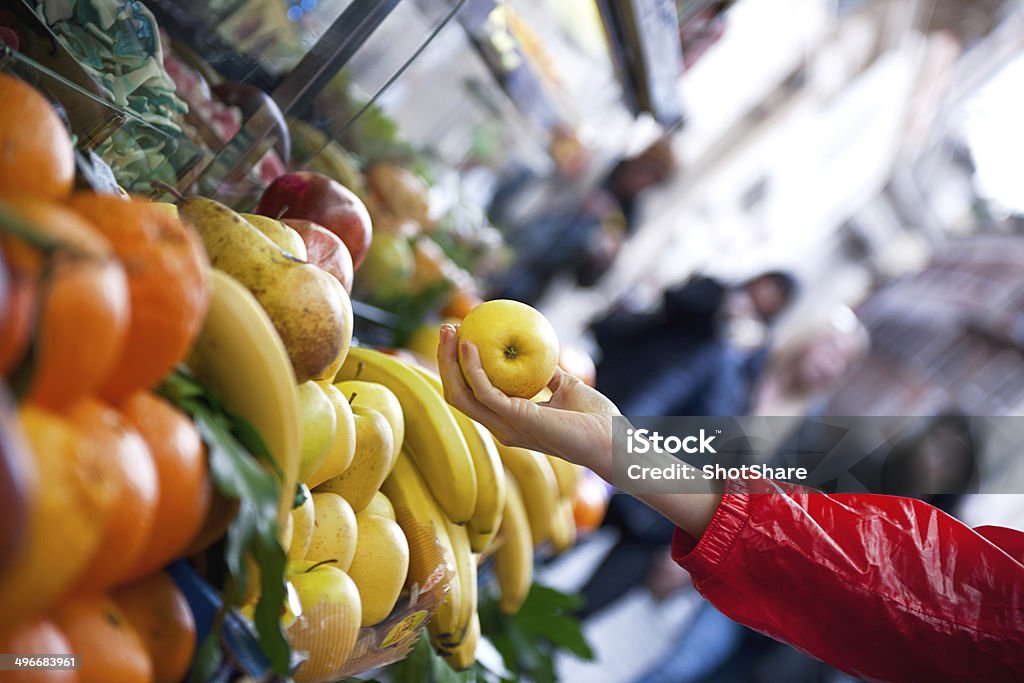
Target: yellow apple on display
[378, 397]
[319, 423]
[518, 346]
[280, 234]
[329, 625]
[380, 566]
[380, 506]
[302, 527]
[334, 531]
[375, 456]
[343, 447]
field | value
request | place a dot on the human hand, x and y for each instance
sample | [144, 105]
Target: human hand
[574, 424]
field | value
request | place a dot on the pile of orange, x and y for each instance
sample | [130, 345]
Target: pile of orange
[102, 483]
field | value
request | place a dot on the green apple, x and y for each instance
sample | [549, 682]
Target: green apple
[341, 450]
[378, 397]
[319, 423]
[375, 456]
[380, 506]
[380, 566]
[334, 531]
[331, 614]
[302, 527]
[518, 346]
[280, 234]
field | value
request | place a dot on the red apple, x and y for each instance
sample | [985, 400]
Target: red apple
[317, 198]
[324, 249]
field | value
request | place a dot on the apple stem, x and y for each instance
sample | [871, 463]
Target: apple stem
[320, 564]
[164, 187]
[352, 398]
[282, 212]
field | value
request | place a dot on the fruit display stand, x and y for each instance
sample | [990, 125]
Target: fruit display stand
[349, 509]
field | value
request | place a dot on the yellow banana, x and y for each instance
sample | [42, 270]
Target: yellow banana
[426, 529]
[564, 528]
[566, 474]
[490, 475]
[513, 561]
[464, 656]
[239, 354]
[432, 436]
[538, 487]
[466, 565]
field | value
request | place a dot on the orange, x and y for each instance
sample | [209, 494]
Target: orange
[460, 304]
[125, 537]
[160, 614]
[37, 637]
[590, 502]
[167, 283]
[110, 648]
[69, 511]
[185, 484]
[83, 295]
[19, 479]
[17, 320]
[36, 156]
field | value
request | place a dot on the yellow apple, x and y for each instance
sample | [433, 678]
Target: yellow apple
[334, 531]
[378, 397]
[329, 626]
[341, 450]
[380, 566]
[280, 234]
[302, 527]
[375, 456]
[319, 423]
[380, 506]
[518, 346]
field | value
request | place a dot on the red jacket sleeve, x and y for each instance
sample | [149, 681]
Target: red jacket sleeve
[884, 588]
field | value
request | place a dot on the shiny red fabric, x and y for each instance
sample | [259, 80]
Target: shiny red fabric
[881, 587]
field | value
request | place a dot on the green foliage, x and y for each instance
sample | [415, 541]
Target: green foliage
[424, 665]
[235, 452]
[529, 640]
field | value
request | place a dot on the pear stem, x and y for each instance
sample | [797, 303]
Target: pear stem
[359, 369]
[161, 185]
[352, 398]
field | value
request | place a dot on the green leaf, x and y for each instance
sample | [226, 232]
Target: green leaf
[206, 661]
[233, 447]
[529, 640]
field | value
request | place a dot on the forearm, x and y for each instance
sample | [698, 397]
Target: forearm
[691, 509]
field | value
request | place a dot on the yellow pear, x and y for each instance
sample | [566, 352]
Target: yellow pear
[375, 456]
[334, 531]
[301, 300]
[380, 566]
[280, 234]
[341, 450]
[328, 374]
[378, 397]
[380, 506]
[319, 424]
[302, 527]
